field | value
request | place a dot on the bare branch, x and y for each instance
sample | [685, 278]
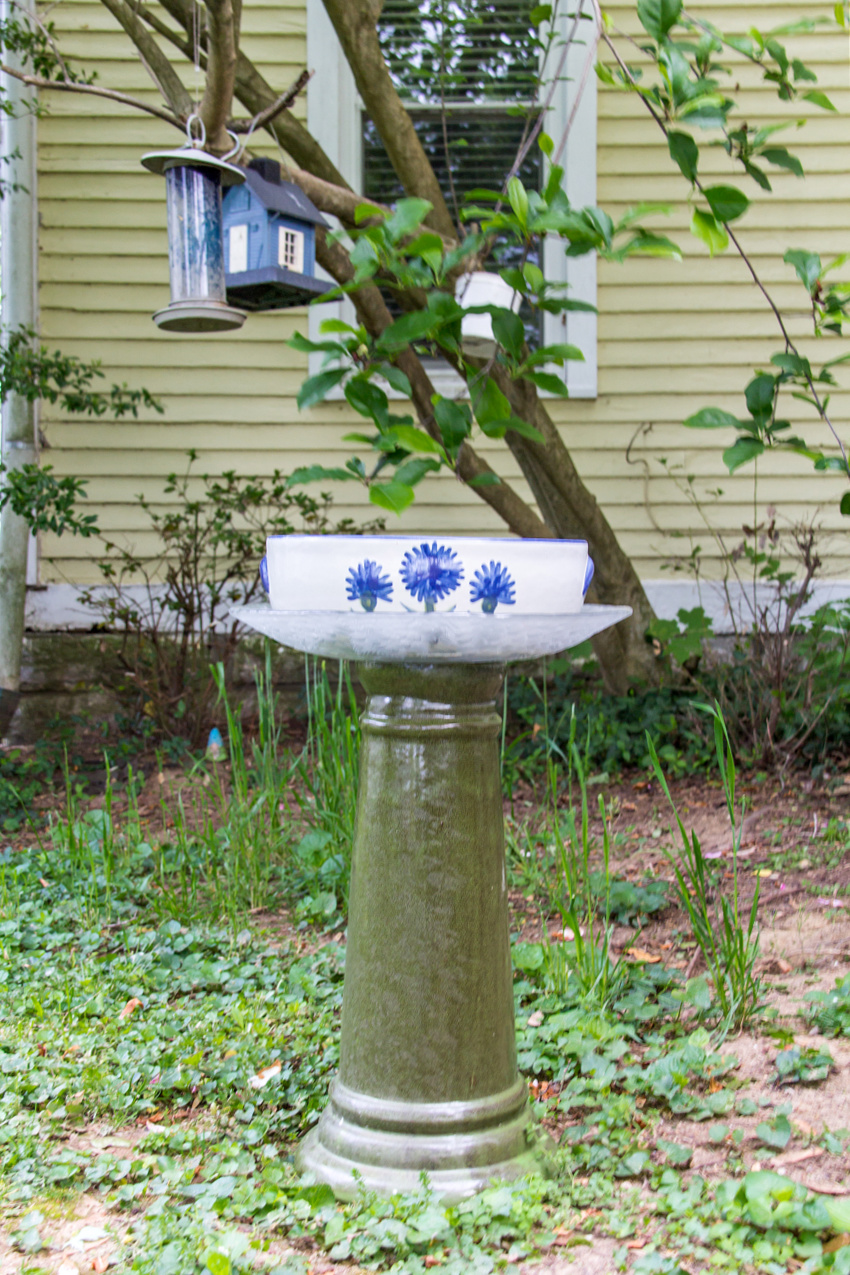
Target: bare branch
[156, 62]
[354, 24]
[221, 73]
[93, 90]
[174, 37]
[283, 103]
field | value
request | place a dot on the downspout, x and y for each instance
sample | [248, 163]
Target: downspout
[19, 283]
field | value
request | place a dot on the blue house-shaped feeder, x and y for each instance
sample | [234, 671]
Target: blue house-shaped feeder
[270, 241]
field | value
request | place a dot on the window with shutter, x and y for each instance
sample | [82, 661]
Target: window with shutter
[468, 71]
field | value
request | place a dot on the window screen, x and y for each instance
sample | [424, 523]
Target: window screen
[468, 71]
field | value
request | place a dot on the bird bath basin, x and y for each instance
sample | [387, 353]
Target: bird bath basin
[428, 1078]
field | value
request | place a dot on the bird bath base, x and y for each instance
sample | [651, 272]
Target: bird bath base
[428, 1078]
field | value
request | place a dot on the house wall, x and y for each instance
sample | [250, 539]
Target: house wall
[672, 336]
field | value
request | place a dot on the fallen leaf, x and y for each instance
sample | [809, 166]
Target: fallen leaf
[432, 1259]
[797, 1157]
[535, 1019]
[130, 1008]
[824, 1188]
[264, 1075]
[764, 872]
[100, 1264]
[629, 805]
[150, 1127]
[45, 884]
[643, 958]
[636, 1244]
[840, 1241]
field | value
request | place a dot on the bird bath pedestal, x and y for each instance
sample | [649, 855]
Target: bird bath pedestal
[428, 1078]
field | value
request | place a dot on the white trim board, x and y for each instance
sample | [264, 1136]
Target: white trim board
[334, 112]
[56, 607]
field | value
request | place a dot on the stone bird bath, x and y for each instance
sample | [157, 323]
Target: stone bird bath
[428, 1078]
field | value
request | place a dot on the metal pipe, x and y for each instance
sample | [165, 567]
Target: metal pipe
[19, 281]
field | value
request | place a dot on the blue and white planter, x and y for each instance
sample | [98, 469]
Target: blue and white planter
[459, 574]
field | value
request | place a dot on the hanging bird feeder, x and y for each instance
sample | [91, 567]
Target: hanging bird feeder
[270, 241]
[193, 184]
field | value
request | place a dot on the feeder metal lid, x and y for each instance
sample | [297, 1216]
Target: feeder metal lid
[192, 157]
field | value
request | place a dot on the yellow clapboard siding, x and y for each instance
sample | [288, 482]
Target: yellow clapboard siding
[673, 336]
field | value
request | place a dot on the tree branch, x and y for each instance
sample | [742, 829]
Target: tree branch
[283, 103]
[217, 101]
[156, 62]
[174, 37]
[94, 90]
[354, 24]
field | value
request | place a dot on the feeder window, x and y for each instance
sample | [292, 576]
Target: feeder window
[237, 249]
[290, 249]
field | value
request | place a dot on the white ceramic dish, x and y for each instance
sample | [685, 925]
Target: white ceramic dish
[371, 576]
[439, 638]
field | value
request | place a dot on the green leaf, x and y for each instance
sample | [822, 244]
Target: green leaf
[519, 426]
[429, 247]
[318, 1196]
[742, 451]
[489, 403]
[808, 266]
[454, 420]
[367, 399]
[540, 13]
[845, 504]
[675, 1153]
[777, 1133]
[509, 331]
[684, 152]
[305, 346]
[394, 496]
[518, 200]
[782, 158]
[658, 16]
[337, 325]
[760, 394]
[486, 480]
[315, 388]
[318, 474]
[819, 99]
[548, 381]
[408, 215]
[410, 327]
[414, 439]
[560, 352]
[712, 418]
[363, 212]
[726, 202]
[218, 1264]
[838, 1210]
[708, 229]
[415, 469]
[396, 378]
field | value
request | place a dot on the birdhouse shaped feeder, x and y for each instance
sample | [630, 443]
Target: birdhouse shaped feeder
[194, 181]
[270, 241]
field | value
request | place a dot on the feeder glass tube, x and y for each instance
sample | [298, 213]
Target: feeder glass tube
[195, 248]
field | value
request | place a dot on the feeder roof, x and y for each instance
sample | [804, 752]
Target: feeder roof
[263, 177]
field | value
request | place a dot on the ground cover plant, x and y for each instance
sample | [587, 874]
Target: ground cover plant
[170, 988]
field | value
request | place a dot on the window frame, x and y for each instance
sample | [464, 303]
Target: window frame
[334, 111]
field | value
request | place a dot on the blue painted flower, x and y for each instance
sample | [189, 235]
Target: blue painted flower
[430, 572]
[492, 585]
[366, 583]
